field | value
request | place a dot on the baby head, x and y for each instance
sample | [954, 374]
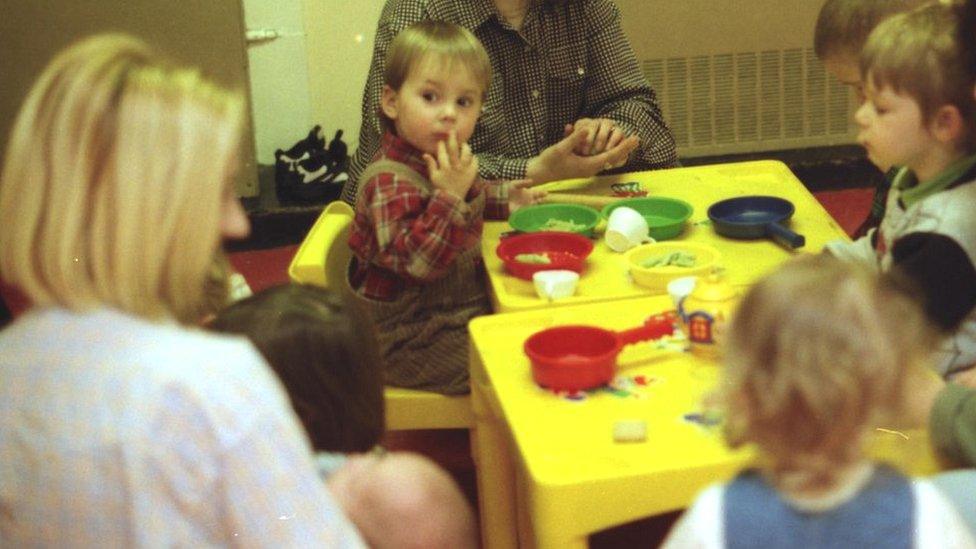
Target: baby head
[914, 59]
[322, 358]
[842, 29]
[118, 182]
[818, 353]
[404, 500]
[436, 78]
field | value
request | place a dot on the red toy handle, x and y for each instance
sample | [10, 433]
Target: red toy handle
[656, 326]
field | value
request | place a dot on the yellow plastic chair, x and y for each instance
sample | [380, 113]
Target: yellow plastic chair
[322, 260]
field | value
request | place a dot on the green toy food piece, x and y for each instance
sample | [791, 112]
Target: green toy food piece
[535, 259]
[674, 259]
[562, 225]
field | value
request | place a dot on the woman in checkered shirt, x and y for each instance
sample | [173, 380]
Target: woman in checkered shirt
[566, 90]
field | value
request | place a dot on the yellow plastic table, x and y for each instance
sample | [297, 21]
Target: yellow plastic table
[549, 470]
[606, 276]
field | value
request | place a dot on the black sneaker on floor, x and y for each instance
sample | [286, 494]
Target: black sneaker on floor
[314, 141]
[309, 172]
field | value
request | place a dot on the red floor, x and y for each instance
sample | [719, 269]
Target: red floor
[848, 207]
[263, 268]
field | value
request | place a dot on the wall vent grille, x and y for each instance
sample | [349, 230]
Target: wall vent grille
[751, 101]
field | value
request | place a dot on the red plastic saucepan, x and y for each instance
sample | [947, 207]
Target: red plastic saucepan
[755, 217]
[574, 358]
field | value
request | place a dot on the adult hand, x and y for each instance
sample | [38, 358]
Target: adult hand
[520, 194]
[561, 161]
[455, 168]
[601, 134]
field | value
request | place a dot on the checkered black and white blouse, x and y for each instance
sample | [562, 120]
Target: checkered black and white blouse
[570, 60]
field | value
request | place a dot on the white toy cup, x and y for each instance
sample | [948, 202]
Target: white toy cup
[555, 284]
[626, 228]
[681, 288]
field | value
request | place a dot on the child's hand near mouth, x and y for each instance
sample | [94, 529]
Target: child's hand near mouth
[455, 168]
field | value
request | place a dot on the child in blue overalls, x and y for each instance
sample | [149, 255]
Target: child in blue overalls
[820, 354]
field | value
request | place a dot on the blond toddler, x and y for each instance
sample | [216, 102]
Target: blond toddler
[819, 354]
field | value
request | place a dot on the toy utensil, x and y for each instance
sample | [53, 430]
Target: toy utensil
[592, 201]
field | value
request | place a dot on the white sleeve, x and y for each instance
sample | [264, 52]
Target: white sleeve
[702, 526]
[860, 251]
[234, 428]
[937, 524]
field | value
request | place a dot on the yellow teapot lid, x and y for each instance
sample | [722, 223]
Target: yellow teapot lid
[714, 286]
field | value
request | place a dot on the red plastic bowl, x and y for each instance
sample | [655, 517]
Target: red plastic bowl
[565, 250]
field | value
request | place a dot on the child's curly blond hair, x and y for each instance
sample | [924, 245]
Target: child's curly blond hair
[818, 354]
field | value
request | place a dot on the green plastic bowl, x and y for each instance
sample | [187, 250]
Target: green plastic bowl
[531, 219]
[665, 217]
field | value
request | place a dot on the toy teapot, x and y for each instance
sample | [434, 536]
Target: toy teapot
[705, 313]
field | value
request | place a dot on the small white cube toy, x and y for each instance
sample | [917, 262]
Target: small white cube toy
[630, 430]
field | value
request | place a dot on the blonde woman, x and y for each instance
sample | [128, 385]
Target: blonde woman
[121, 425]
[819, 354]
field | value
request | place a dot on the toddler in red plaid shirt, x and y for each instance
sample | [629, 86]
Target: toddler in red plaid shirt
[417, 274]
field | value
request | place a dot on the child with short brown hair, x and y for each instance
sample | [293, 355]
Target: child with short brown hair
[417, 273]
[919, 116]
[818, 355]
[322, 357]
[326, 362]
[842, 29]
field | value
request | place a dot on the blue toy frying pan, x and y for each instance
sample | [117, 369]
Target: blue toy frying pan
[753, 217]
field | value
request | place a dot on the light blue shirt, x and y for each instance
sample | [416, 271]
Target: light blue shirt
[959, 487]
[120, 432]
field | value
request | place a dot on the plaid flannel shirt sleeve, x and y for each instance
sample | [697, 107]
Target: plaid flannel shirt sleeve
[418, 237]
[496, 199]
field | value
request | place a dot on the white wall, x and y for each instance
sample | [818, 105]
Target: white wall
[313, 73]
[340, 44]
[278, 75]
